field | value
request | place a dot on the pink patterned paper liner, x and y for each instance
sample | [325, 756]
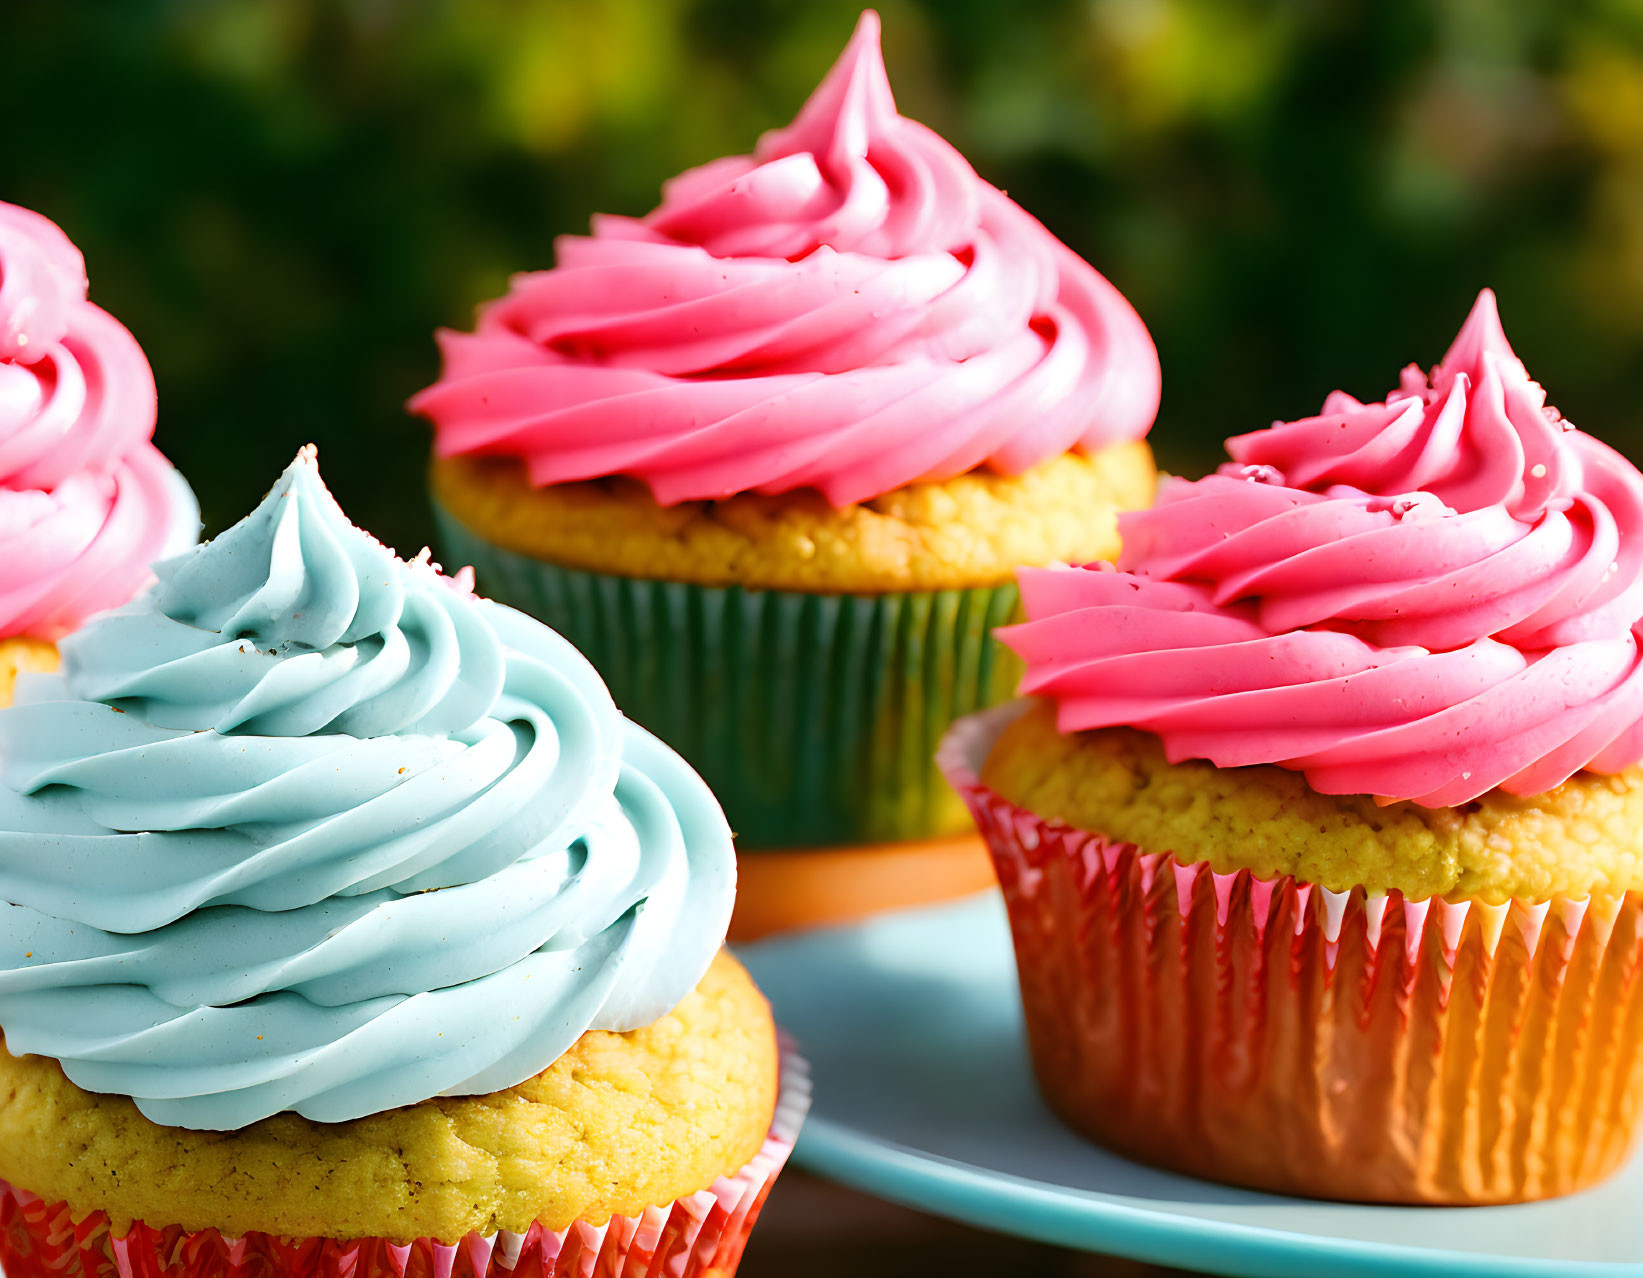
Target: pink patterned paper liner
[699, 1236]
[964, 751]
[1348, 1045]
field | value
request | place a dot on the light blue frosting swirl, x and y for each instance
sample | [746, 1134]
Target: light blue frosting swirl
[308, 827]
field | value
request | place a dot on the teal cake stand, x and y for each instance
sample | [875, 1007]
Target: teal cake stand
[924, 1096]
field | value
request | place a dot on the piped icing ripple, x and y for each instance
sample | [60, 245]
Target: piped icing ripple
[850, 309]
[308, 827]
[1423, 598]
[86, 500]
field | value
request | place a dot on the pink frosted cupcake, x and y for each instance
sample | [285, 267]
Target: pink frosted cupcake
[86, 500]
[771, 454]
[1320, 841]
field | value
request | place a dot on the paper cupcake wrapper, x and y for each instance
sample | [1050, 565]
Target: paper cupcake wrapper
[813, 717]
[700, 1236]
[1343, 1045]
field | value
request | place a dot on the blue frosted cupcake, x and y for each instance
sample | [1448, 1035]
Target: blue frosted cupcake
[345, 923]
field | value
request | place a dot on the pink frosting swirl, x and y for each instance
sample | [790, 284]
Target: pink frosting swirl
[86, 501]
[1423, 598]
[849, 309]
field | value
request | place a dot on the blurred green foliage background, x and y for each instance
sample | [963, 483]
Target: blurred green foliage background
[282, 198]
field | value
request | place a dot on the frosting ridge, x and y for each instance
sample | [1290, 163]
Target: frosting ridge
[86, 500]
[1422, 598]
[850, 308]
[327, 833]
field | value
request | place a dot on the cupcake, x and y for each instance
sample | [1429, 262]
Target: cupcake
[86, 500]
[346, 926]
[1318, 831]
[771, 453]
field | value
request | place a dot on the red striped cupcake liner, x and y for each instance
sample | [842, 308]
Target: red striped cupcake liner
[1274, 1033]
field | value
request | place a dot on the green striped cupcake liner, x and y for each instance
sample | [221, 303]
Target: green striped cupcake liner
[814, 717]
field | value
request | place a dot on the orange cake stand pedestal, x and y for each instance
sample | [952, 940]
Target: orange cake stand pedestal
[783, 891]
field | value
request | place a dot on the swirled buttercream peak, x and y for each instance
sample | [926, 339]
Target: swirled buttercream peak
[849, 309]
[1420, 598]
[310, 827]
[295, 622]
[1476, 432]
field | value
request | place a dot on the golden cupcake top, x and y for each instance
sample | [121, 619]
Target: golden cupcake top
[1577, 839]
[617, 1124]
[971, 530]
